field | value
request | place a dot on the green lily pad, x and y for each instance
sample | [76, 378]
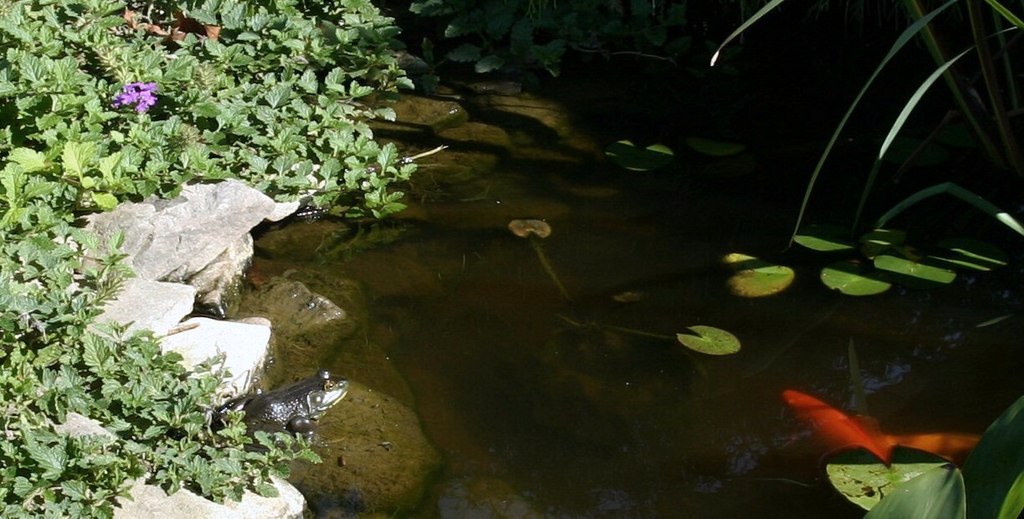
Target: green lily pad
[627, 155]
[714, 148]
[824, 238]
[903, 147]
[914, 274]
[878, 241]
[755, 277]
[936, 494]
[852, 279]
[729, 167]
[970, 254]
[863, 480]
[709, 340]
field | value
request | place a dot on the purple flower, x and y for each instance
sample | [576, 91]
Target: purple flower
[141, 96]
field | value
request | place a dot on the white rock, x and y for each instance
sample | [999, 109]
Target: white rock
[244, 347]
[151, 502]
[149, 305]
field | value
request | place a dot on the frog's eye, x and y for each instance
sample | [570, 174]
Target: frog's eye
[328, 385]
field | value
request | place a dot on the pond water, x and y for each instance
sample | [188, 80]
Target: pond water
[548, 407]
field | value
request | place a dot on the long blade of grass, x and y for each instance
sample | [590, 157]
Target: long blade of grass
[905, 37]
[1012, 18]
[955, 190]
[750, 21]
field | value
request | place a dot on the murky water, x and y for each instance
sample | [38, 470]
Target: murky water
[543, 407]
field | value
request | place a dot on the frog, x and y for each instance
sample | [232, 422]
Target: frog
[292, 409]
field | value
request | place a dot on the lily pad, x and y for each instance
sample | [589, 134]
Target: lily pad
[937, 494]
[914, 274]
[969, 254]
[628, 155]
[709, 340]
[852, 279]
[824, 238]
[755, 277]
[864, 480]
[714, 148]
[878, 241]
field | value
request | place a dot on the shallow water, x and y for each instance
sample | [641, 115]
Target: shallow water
[552, 408]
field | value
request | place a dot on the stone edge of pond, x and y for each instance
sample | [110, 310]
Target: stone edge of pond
[192, 248]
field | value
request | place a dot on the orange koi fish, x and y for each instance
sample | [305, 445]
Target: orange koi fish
[836, 429]
[841, 432]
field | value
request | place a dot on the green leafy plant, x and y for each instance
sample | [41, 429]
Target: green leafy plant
[273, 97]
[989, 486]
[991, 129]
[534, 34]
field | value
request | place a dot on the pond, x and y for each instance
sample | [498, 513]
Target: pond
[543, 405]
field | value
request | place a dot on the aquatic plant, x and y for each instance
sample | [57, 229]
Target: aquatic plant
[908, 483]
[1001, 147]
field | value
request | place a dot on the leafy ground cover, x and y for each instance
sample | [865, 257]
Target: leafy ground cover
[102, 103]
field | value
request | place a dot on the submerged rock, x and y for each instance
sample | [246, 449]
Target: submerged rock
[375, 454]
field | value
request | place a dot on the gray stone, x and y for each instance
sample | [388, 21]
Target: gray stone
[219, 281]
[283, 210]
[149, 305]
[243, 345]
[172, 240]
[153, 503]
[80, 425]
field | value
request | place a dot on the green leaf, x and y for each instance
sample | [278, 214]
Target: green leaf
[710, 340]
[755, 277]
[29, 160]
[852, 279]
[714, 148]
[104, 201]
[992, 473]
[936, 494]
[488, 64]
[77, 155]
[824, 238]
[467, 52]
[914, 274]
[863, 480]
[970, 254]
[627, 155]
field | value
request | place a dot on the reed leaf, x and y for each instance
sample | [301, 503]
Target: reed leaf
[963, 194]
[750, 21]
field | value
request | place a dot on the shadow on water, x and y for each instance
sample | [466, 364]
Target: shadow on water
[544, 407]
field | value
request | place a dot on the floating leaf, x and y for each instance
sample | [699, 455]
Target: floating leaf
[755, 277]
[863, 480]
[824, 238]
[851, 279]
[914, 274]
[877, 241]
[958, 135]
[710, 340]
[627, 155]
[714, 148]
[970, 254]
[936, 494]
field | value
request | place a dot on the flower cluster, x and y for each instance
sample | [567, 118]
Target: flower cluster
[141, 96]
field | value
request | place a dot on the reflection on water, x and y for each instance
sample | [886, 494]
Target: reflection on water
[547, 408]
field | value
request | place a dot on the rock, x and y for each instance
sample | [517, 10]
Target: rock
[376, 456]
[80, 425]
[172, 240]
[437, 114]
[297, 311]
[149, 305]
[218, 282]
[243, 345]
[153, 503]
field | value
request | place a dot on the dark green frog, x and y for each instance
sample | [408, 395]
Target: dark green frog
[291, 408]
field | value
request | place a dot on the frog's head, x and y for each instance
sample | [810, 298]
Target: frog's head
[325, 393]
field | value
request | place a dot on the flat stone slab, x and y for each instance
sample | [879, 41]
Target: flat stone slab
[150, 305]
[152, 502]
[244, 346]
